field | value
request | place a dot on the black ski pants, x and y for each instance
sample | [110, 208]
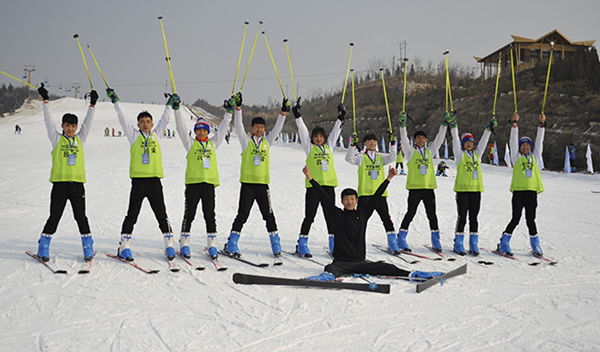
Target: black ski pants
[61, 192]
[382, 209]
[195, 192]
[415, 196]
[520, 200]
[341, 268]
[249, 192]
[468, 203]
[150, 188]
[311, 203]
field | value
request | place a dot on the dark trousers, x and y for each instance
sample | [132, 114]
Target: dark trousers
[193, 194]
[311, 203]
[150, 188]
[415, 196]
[382, 209]
[520, 200]
[61, 192]
[467, 203]
[249, 192]
[339, 268]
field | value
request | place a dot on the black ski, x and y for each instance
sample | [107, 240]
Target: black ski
[236, 257]
[430, 282]
[280, 281]
[47, 264]
[384, 249]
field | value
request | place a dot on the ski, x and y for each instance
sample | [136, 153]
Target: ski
[328, 252]
[280, 281]
[190, 263]
[549, 261]
[294, 254]
[277, 260]
[86, 266]
[229, 255]
[133, 264]
[216, 264]
[441, 279]
[514, 258]
[385, 250]
[47, 264]
[442, 255]
[173, 266]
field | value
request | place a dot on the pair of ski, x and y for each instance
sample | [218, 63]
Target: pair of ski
[276, 261]
[245, 279]
[173, 266]
[84, 269]
[400, 255]
[541, 260]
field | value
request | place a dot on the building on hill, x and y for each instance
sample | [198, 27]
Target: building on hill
[528, 52]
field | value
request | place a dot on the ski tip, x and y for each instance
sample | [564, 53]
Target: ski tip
[264, 265]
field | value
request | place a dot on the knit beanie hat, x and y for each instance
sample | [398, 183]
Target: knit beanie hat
[465, 138]
[201, 123]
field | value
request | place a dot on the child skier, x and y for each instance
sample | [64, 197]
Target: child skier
[526, 184]
[468, 185]
[370, 176]
[400, 159]
[319, 159]
[67, 175]
[201, 177]
[420, 181]
[145, 171]
[255, 177]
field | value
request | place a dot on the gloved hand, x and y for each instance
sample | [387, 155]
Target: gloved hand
[402, 117]
[492, 125]
[285, 105]
[238, 99]
[93, 97]
[174, 101]
[392, 138]
[43, 92]
[341, 112]
[112, 95]
[354, 140]
[296, 109]
[229, 104]
[449, 120]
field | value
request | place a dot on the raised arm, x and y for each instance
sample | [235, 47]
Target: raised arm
[186, 140]
[539, 139]
[222, 130]
[456, 146]
[404, 141]
[514, 139]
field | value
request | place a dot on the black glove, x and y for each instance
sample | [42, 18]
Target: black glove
[93, 97]
[285, 105]
[296, 109]
[43, 92]
[238, 99]
[341, 112]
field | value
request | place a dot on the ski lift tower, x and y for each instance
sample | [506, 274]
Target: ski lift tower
[29, 69]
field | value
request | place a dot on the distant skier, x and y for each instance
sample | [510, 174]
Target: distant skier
[106, 132]
[400, 159]
[441, 169]
[67, 175]
[572, 156]
[17, 129]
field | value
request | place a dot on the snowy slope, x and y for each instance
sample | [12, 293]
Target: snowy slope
[508, 306]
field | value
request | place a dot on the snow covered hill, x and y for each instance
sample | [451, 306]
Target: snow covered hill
[508, 306]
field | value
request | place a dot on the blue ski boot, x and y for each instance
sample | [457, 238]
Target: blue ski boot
[392, 239]
[231, 246]
[435, 241]
[535, 246]
[402, 245]
[124, 252]
[169, 246]
[88, 247]
[331, 242]
[420, 276]
[44, 247]
[504, 245]
[459, 247]
[275, 245]
[184, 245]
[474, 243]
[325, 276]
[302, 247]
[212, 245]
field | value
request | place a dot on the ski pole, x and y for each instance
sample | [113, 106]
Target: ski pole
[18, 79]
[290, 64]
[76, 36]
[353, 102]
[404, 86]
[448, 89]
[387, 108]
[239, 58]
[547, 77]
[98, 66]
[273, 61]
[497, 81]
[173, 88]
[372, 285]
[347, 70]
[251, 53]
[512, 71]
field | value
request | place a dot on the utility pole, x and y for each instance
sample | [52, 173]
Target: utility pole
[76, 86]
[29, 69]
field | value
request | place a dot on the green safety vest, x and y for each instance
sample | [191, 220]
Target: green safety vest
[61, 170]
[520, 181]
[196, 172]
[464, 181]
[366, 184]
[414, 179]
[314, 161]
[399, 157]
[137, 169]
[251, 172]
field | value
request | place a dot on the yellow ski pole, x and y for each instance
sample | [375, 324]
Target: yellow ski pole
[387, 108]
[76, 36]
[404, 86]
[512, 71]
[18, 79]
[173, 88]
[239, 58]
[497, 82]
[251, 53]
[290, 64]
[353, 102]
[273, 61]
[347, 70]
[548, 77]
[98, 66]
[448, 88]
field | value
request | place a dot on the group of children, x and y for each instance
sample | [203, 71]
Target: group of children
[346, 231]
